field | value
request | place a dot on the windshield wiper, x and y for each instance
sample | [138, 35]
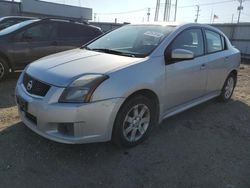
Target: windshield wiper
[109, 51]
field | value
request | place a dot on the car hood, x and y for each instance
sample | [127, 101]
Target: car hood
[63, 68]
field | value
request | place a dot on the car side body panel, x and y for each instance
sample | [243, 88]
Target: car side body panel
[148, 74]
[153, 74]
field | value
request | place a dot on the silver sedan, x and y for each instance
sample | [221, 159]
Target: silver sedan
[122, 84]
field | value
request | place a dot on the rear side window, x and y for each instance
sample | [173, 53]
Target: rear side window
[75, 31]
[214, 42]
[191, 40]
[224, 45]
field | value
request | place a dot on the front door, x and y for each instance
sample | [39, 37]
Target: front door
[41, 42]
[33, 43]
[186, 80]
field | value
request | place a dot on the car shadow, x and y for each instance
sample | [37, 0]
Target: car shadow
[191, 148]
[7, 90]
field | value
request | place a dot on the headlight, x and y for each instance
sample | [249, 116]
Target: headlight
[82, 89]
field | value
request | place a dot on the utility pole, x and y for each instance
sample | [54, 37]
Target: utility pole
[157, 8]
[197, 13]
[232, 21]
[94, 17]
[175, 10]
[148, 14]
[167, 10]
[240, 8]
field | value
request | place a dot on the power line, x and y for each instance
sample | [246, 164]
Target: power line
[145, 9]
[245, 14]
[127, 12]
[207, 4]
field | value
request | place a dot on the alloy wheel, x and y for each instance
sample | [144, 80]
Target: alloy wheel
[136, 122]
[229, 87]
[2, 70]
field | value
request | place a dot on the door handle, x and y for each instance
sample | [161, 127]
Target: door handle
[54, 43]
[226, 58]
[203, 66]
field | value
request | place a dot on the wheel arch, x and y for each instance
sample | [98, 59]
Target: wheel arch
[150, 94]
[7, 59]
[235, 73]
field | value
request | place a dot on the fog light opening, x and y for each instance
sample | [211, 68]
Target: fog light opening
[66, 129]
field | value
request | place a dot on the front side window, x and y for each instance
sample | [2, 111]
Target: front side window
[191, 40]
[214, 43]
[40, 32]
[136, 40]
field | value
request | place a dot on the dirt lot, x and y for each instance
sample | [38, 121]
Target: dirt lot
[207, 146]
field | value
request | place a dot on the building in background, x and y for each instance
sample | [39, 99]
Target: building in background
[42, 9]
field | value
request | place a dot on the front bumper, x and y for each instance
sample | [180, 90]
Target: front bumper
[68, 123]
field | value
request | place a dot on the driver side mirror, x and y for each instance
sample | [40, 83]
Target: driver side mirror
[181, 54]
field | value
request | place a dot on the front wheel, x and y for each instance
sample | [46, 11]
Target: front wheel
[228, 88]
[133, 122]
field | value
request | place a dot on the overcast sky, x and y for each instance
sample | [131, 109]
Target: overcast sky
[136, 10]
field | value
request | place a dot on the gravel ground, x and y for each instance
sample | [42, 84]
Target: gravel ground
[206, 146]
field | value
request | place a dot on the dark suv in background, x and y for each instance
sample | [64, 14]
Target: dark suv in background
[12, 20]
[30, 40]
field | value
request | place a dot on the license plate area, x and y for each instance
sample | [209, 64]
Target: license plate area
[23, 104]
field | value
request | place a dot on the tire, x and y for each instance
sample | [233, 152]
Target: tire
[132, 126]
[4, 69]
[228, 88]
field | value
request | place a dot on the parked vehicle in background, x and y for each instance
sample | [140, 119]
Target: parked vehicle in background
[30, 40]
[12, 20]
[123, 83]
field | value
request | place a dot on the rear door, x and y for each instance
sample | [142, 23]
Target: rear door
[73, 35]
[217, 55]
[186, 80]
[69, 36]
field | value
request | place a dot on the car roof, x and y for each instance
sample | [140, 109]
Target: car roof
[17, 17]
[183, 25]
[158, 23]
[69, 21]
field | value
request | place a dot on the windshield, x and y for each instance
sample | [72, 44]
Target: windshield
[134, 40]
[15, 27]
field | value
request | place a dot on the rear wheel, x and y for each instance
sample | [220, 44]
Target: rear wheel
[133, 122]
[228, 88]
[4, 69]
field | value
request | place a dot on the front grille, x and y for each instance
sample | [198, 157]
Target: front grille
[34, 86]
